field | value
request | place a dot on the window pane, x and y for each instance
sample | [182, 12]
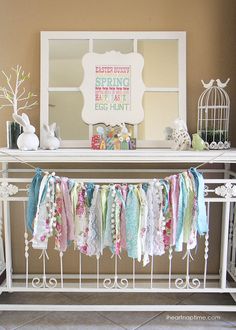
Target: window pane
[65, 109]
[160, 62]
[65, 68]
[103, 46]
[160, 110]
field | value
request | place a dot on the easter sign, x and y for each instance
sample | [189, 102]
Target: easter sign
[112, 87]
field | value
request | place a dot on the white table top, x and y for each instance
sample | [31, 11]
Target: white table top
[118, 156]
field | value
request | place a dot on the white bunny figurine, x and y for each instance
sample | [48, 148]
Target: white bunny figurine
[49, 140]
[27, 140]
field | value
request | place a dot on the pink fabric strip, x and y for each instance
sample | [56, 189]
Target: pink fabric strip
[174, 198]
[58, 215]
[80, 208]
[61, 210]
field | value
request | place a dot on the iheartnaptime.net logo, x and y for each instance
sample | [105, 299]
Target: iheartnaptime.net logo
[193, 317]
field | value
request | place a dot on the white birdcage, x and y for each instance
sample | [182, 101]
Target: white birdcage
[213, 115]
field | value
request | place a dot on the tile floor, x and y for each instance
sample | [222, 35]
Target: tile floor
[116, 320]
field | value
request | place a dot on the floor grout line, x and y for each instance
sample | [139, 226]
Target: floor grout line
[30, 321]
[143, 323]
[177, 303]
[107, 318]
[147, 321]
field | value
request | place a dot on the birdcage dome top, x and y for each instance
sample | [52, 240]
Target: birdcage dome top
[214, 95]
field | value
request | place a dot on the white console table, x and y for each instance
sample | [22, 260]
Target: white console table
[13, 187]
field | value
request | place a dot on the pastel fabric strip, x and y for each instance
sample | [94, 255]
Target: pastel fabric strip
[174, 196]
[158, 218]
[67, 233]
[39, 240]
[202, 225]
[132, 210]
[33, 197]
[148, 243]
[142, 231]
[166, 221]
[124, 191]
[181, 211]
[104, 200]
[94, 229]
[188, 216]
[108, 241]
[58, 215]
[192, 242]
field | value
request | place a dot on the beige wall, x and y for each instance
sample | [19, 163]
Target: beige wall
[210, 26]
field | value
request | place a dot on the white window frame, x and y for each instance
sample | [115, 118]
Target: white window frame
[46, 36]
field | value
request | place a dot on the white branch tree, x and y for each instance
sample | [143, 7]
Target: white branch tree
[15, 94]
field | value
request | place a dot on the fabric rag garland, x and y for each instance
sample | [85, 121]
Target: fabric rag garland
[143, 219]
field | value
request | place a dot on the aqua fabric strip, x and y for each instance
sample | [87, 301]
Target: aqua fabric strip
[107, 234]
[181, 211]
[202, 226]
[124, 191]
[89, 190]
[33, 198]
[132, 222]
[188, 218]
